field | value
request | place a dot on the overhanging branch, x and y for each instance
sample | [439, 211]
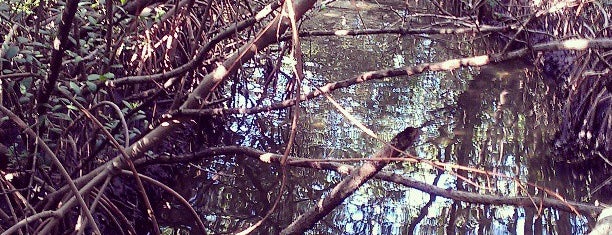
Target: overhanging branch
[383, 175]
[448, 65]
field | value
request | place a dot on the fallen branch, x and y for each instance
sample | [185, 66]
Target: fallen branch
[448, 65]
[352, 182]
[328, 164]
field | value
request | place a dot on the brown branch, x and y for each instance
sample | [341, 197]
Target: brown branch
[298, 71]
[440, 8]
[175, 194]
[209, 83]
[59, 46]
[17, 76]
[351, 183]
[43, 214]
[448, 65]
[195, 99]
[126, 158]
[382, 175]
[200, 56]
[249, 22]
[45, 148]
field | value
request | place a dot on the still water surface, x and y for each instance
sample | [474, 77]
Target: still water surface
[501, 118]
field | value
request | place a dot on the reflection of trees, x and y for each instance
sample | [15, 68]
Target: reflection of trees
[503, 130]
[178, 84]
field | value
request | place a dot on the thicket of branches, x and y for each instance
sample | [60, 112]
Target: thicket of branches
[94, 89]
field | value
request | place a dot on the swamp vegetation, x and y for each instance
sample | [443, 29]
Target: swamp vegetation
[304, 116]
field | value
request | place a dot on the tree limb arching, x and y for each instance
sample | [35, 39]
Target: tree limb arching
[71, 185]
[202, 51]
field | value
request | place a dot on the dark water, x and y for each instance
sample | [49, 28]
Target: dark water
[501, 118]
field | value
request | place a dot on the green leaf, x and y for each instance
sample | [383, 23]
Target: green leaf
[24, 100]
[11, 52]
[91, 86]
[55, 130]
[62, 116]
[56, 107]
[22, 40]
[139, 117]
[25, 85]
[72, 107]
[5, 7]
[136, 131]
[38, 44]
[92, 20]
[64, 100]
[109, 75]
[93, 77]
[75, 88]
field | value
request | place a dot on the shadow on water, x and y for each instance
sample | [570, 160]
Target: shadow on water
[501, 118]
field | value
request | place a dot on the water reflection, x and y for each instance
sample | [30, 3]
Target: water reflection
[498, 118]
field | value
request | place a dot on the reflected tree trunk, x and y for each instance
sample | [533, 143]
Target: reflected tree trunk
[563, 225]
[452, 219]
[484, 222]
[424, 210]
[538, 227]
[529, 219]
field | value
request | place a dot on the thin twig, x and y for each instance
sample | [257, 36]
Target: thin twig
[175, 194]
[448, 65]
[31, 218]
[55, 161]
[562, 204]
[125, 156]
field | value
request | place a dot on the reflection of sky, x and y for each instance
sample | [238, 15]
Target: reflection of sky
[387, 107]
[390, 105]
